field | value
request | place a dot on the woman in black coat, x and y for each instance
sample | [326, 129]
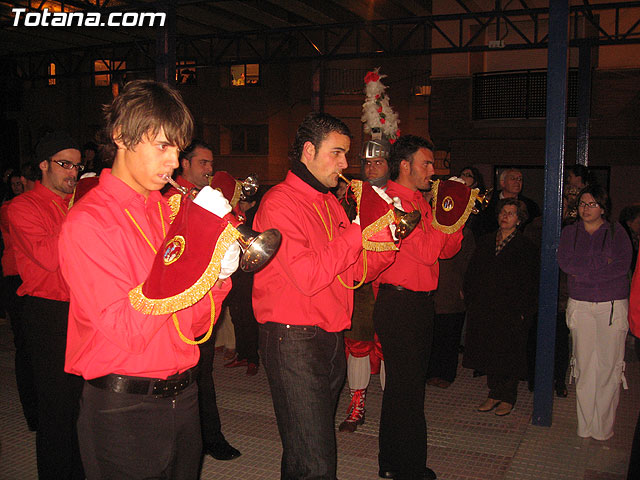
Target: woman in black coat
[500, 289]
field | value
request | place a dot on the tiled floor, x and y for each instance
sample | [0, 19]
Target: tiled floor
[462, 444]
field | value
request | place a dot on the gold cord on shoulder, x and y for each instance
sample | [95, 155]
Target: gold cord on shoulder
[330, 237]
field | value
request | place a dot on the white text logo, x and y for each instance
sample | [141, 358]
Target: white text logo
[86, 19]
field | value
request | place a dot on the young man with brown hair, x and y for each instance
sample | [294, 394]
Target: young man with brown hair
[131, 330]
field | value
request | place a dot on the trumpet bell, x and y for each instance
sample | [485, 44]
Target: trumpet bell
[406, 222]
[250, 185]
[482, 201]
[258, 248]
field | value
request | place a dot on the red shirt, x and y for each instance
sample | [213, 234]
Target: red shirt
[634, 302]
[9, 265]
[416, 266]
[103, 256]
[34, 225]
[300, 285]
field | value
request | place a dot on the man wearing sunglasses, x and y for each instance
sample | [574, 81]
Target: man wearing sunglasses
[35, 218]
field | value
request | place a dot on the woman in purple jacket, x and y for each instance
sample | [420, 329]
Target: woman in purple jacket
[596, 256]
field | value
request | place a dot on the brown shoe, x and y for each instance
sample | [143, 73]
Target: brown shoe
[504, 409]
[488, 405]
[442, 383]
[234, 363]
[252, 369]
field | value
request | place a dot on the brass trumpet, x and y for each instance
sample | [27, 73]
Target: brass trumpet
[482, 200]
[258, 248]
[405, 221]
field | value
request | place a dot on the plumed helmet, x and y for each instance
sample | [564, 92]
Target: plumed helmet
[375, 149]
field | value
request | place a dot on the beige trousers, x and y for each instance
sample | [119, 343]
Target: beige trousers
[598, 332]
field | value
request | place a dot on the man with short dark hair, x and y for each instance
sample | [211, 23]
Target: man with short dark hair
[145, 281]
[196, 167]
[35, 218]
[303, 300]
[196, 163]
[406, 335]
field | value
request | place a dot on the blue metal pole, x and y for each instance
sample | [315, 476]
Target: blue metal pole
[552, 211]
[584, 102]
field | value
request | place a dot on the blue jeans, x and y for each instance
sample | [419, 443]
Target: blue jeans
[306, 368]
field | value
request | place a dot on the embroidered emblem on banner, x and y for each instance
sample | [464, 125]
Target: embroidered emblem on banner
[174, 249]
[447, 204]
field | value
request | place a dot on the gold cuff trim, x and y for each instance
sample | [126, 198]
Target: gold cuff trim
[377, 226]
[237, 192]
[174, 202]
[193, 294]
[463, 218]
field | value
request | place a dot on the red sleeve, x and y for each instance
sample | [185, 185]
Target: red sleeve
[452, 244]
[101, 271]
[634, 302]
[308, 260]
[31, 236]
[377, 262]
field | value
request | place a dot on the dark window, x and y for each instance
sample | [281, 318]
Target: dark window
[186, 72]
[51, 71]
[244, 75]
[104, 69]
[244, 139]
[517, 94]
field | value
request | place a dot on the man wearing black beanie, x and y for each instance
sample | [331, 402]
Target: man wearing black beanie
[35, 218]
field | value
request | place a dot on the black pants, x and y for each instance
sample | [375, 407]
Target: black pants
[244, 321]
[24, 370]
[406, 335]
[634, 460]
[58, 392]
[447, 329]
[503, 387]
[130, 436]
[209, 416]
[561, 356]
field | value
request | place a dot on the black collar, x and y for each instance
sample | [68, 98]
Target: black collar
[302, 172]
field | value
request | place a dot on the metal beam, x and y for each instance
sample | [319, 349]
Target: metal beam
[376, 39]
[552, 210]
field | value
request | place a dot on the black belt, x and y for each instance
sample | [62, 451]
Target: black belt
[173, 385]
[398, 288]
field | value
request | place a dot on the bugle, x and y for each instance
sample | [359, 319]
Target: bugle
[405, 221]
[258, 248]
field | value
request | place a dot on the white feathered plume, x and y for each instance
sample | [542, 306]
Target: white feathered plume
[377, 114]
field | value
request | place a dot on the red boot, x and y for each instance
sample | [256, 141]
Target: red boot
[355, 411]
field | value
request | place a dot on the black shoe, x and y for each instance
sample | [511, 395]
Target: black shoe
[222, 451]
[428, 474]
[561, 390]
[478, 373]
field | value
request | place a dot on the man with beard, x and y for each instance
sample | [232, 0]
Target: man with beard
[35, 218]
[406, 336]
